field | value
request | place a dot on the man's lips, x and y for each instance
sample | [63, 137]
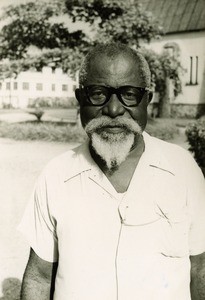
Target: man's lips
[113, 129]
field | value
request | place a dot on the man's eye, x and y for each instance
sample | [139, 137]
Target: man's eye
[97, 93]
[129, 95]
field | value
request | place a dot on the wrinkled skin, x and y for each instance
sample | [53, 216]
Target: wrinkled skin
[118, 72]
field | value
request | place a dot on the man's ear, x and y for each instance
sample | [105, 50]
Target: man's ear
[150, 96]
[78, 95]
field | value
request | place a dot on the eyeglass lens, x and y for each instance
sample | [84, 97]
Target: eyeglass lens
[128, 95]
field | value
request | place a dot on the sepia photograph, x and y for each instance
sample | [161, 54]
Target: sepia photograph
[102, 150]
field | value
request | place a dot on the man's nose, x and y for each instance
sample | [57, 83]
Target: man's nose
[114, 107]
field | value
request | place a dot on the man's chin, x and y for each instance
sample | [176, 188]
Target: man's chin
[113, 148]
[112, 136]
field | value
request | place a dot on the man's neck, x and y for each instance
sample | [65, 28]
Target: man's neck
[121, 176]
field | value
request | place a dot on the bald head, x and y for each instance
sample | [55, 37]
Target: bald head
[111, 51]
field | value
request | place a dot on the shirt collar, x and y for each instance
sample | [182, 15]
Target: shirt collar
[153, 155]
[80, 161]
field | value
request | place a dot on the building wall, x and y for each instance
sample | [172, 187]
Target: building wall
[17, 92]
[191, 46]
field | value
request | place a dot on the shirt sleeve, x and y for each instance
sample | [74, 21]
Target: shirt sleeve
[196, 202]
[38, 225]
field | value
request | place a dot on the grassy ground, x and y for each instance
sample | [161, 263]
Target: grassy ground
[61, 113]
[64, 132]
[59, 129]
[44, 131]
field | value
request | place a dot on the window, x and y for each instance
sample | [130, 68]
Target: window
[8, 85]
[39, 86]
[193, 70]
[53, 87]
[15, 85]
[172, 48]
[64, 87]
[25, 86]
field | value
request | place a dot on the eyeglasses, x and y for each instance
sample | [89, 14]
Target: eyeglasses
[129, 96]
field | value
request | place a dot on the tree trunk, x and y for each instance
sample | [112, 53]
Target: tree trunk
[164, 101]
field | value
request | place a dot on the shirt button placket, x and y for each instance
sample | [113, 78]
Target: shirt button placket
[122, 209]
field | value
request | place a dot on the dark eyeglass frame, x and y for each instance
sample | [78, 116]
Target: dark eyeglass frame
[116, 91]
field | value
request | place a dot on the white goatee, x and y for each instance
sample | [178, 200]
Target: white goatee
[113, 148]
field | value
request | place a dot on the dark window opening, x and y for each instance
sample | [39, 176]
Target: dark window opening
[39, 86]
[193, 74]
[15, 85]
[64, 87]
[8, 85]
[25, 86]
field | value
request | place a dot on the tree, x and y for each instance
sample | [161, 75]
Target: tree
[116, 20]
[166, 70]
[36, 23]
[31, 24]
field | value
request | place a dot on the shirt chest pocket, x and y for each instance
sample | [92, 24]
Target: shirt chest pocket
[174, 237]
[171, 206]
[161, 207]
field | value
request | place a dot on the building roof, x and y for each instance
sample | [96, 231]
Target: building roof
[177, 15]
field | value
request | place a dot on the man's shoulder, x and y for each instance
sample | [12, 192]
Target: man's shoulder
[67, 162]
[167, 147]
[66, 156]
[178, 158]
[164, 145]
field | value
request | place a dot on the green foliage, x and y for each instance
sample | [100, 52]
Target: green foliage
[162, 66]
[64, 132]
[33, 24]
[38, 113]
[30, 24]
[46, 131]
[94, 11]
[196, 137]
[131, 28]
[123, 21]
[10, 68]
[53, 102]
[67, 59]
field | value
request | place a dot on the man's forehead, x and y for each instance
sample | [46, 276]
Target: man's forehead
[115, 70]
[119, 65]
[121, 61]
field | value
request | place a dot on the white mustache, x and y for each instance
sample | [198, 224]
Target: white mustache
[104, 121]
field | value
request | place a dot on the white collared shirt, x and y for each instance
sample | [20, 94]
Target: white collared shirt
[119, 247]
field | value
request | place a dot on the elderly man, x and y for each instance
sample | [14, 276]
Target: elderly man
[122, 216]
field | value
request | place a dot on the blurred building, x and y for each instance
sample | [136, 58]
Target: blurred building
[21, 91]
[184, 25]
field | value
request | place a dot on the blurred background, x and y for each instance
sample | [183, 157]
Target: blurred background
[41, 47]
